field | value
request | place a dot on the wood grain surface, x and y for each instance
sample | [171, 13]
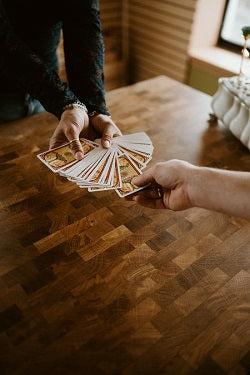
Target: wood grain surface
[93, 284]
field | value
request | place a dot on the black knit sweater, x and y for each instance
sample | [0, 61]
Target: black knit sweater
[29, 36]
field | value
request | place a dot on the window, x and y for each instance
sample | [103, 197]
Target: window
[237, 15]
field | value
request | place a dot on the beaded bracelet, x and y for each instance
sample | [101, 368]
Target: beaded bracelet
[76, 104]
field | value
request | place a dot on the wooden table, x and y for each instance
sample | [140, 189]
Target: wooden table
[92, 284]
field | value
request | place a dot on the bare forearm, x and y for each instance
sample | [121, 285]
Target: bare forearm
[219, 190]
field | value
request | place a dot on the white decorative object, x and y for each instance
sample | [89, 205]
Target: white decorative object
[238, 124]
[222, 101]
[231, 105]
[245, 135]
[232, 112]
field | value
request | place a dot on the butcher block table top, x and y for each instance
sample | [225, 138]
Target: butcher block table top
[93, 284]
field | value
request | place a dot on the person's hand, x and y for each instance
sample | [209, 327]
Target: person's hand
[104, 127]
[73, 125]
[170, 186]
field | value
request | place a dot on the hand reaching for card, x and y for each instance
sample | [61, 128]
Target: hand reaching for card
[75, 124]
[169, 186]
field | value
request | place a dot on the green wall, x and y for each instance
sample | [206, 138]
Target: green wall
[202, 81]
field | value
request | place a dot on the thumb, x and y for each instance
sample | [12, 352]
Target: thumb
[75, 144]
[144, 178]
[107, 136]
[76, 148]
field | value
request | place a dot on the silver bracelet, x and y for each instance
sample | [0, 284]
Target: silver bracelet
[76, 104]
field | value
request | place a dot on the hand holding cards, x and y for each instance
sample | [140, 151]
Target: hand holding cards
[103, 169]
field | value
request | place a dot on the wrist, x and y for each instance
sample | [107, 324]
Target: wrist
[192, 185]
[76, 104]
[203, 182]
[72, 113]
[96, 113]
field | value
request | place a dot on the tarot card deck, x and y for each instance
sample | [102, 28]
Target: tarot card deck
[100, 168]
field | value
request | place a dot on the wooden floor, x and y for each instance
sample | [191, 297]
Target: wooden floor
[92, 284]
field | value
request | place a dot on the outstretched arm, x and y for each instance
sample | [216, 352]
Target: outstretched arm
[184, 185]
[84, 58]
[84, 52]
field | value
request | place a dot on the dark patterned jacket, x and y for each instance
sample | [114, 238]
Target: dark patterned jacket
[29, 35]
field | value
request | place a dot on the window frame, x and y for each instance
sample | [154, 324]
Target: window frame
[221, 42]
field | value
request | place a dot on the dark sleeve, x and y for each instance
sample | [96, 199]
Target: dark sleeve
[23, 67]
[84, 52]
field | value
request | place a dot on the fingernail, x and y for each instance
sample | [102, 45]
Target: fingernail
[106, 144]
[133, 182]
[79, 155]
